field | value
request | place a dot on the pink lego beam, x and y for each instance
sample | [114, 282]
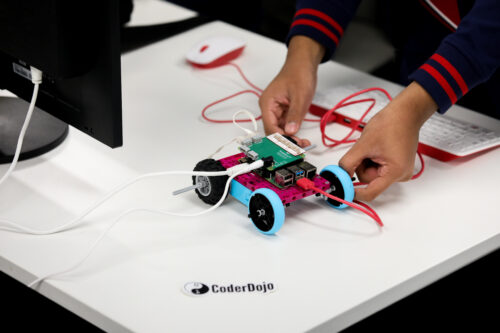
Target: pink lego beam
[252, 181]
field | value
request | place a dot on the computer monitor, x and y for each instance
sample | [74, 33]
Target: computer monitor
[76, 44]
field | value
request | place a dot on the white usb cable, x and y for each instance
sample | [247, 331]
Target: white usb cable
[16, 227]
[36, 78]
[239, 139]
[231, 172]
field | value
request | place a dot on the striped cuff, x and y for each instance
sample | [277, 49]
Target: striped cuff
[446, 76]
[318, 26]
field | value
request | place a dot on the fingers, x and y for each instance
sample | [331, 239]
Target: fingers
[272, 111]
[295, 115]
[278, 115]
[379, 176]
[368, 170]
[273, 122]
[374, 188]
[302, 142]
[352, 159]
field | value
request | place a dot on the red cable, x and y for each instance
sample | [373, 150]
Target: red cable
[378, 219]
[325, 119]
[238, 68]
[364, 207]
[258, 94]
[307, 184]
[223, 100]
[422, 166]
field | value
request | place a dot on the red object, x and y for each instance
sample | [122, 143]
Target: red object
[453, 72]
[323, 16]
[222, 121]
[445, 11]
[307, 184]
[318, 26]
[442, 82]
[219, 61]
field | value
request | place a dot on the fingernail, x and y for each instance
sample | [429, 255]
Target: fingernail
[291, 127]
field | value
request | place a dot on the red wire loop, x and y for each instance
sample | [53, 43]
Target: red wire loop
[203, 112]
[325, 119]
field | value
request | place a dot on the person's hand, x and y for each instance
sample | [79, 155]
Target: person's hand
[385, 152]
[285, 102]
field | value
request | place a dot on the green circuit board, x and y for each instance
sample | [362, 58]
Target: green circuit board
[266, 148]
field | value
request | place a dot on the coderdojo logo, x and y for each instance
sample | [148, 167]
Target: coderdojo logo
[198, 288]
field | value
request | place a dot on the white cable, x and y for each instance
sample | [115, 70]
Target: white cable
[252, 118]
[221, 147]
[36, 78]
[242, 168]
[15, 227]
[239, 139]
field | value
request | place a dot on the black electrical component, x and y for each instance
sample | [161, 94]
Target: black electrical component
[310, 170]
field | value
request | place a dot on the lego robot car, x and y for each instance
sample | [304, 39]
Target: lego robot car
[267, 191]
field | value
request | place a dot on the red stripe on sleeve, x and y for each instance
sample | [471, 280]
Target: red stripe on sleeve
[318, 26]
[441, 80]
[453, 72]
[323, 16]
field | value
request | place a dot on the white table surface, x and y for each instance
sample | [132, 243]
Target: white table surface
[330, 268]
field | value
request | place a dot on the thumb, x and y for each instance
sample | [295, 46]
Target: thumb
[296, 113]
[352, 159]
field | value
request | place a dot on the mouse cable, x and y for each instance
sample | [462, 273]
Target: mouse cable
[15, 227]
[236, 171]
[36, 78]
[240, 71]
[257, 92]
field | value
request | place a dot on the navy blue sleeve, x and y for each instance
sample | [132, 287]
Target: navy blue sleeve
[323, 20]
[465, 58]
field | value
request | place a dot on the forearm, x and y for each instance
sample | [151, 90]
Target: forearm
[413, 106]
[304, 51]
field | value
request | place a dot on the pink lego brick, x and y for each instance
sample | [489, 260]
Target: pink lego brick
[287, 195]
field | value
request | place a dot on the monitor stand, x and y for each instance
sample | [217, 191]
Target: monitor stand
[44, 131]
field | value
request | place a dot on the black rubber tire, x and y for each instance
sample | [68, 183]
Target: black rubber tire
[335, 186]
[216, 183]
[263, 222]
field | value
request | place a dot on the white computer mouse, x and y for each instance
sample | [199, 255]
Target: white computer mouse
[215, 51]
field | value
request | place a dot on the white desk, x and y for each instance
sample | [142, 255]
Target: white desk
[330, 268]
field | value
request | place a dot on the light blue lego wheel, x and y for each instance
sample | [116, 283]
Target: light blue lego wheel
[266, 211]
[340, 185]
